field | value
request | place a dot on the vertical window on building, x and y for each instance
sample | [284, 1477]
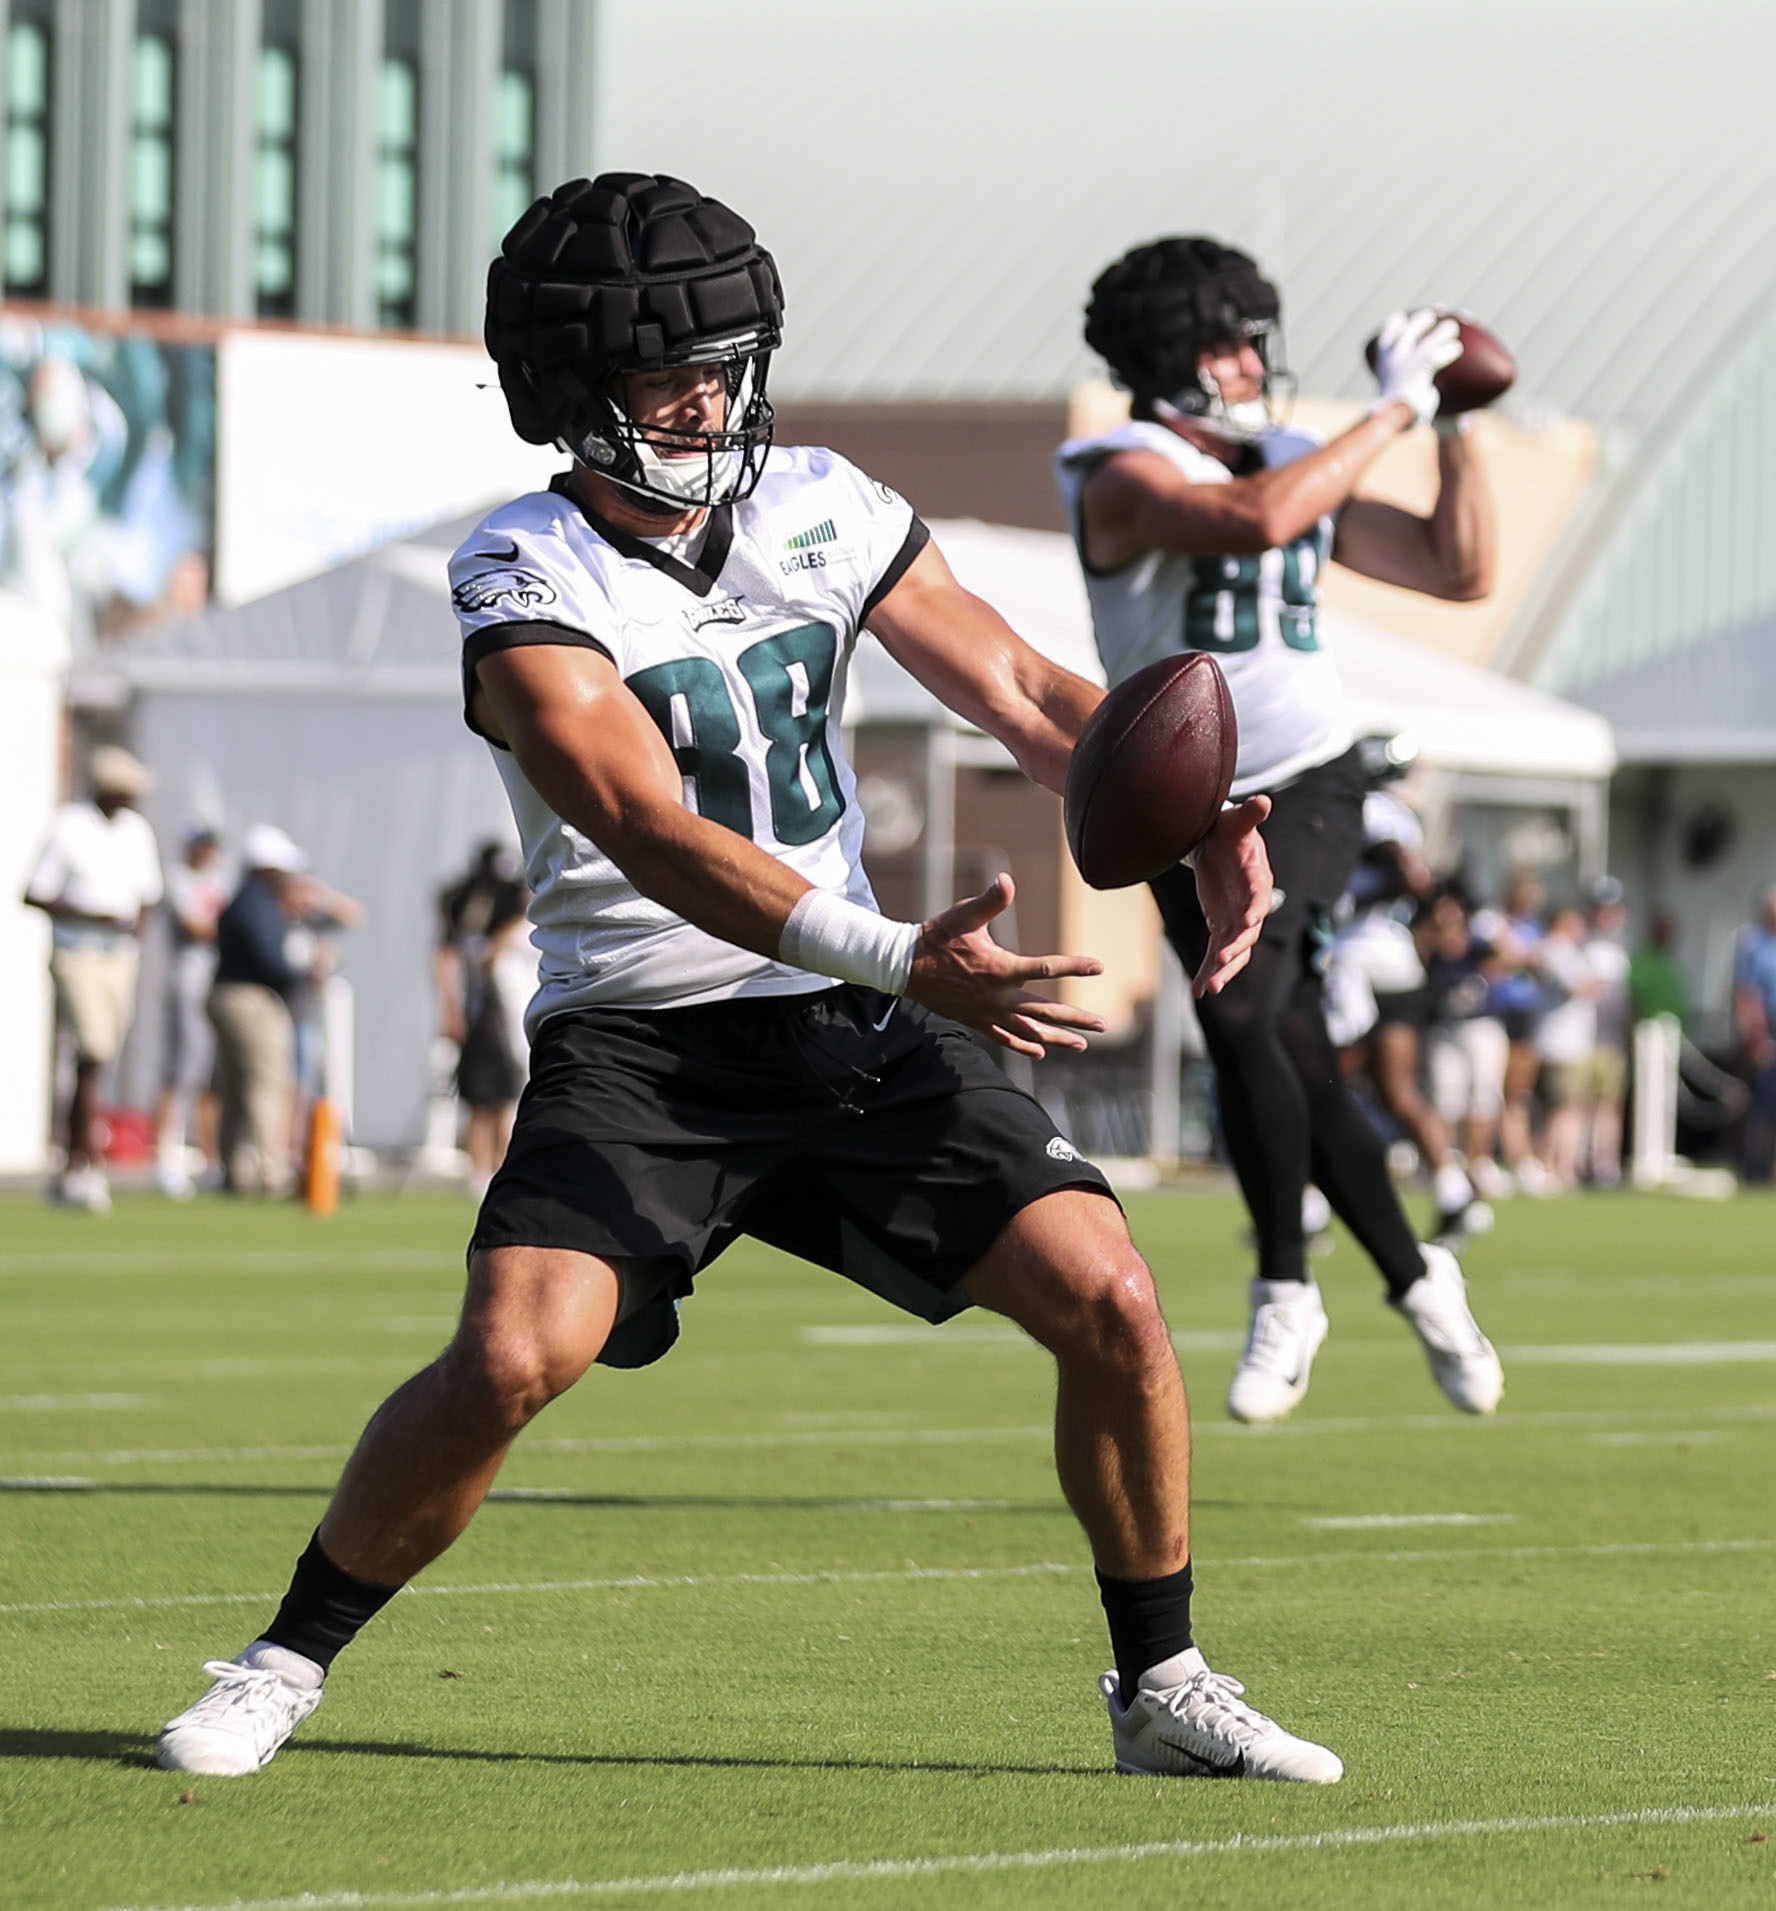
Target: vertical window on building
[151, 154]
[274, 162]
[514, 120]
[397, 165]
[28, 43]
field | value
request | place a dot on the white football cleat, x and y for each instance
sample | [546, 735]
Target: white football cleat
[258, 1700]
[1463, 1361]
[1201, 1728]
[1288, 1324]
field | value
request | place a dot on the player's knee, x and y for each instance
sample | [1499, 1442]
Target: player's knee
[1116, 1323]
[505, 1376]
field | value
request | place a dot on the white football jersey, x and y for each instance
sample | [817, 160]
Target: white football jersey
[740, 656]
[1257, 616]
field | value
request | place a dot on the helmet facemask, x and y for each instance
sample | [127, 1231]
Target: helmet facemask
[674, 471]
[1244, 420]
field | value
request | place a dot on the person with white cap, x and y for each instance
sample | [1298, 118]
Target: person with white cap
[97, 879]
[262, 961]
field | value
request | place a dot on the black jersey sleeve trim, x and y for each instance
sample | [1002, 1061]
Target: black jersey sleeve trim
[916, 539]
[497, 637]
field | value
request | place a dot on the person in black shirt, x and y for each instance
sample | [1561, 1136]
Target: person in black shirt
[485, 978]
[262, 961]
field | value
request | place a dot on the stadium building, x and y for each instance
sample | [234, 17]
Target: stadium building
[259, 229]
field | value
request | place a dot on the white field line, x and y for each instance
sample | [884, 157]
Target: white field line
[74, 1402]
[894, 1334]
[835, 1435]
[881, 1870]
[1683, 1353]
[230, 1261]
[1043, 1570]
[1368, 1522]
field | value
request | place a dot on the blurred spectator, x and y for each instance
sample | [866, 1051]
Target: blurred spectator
[1657, 984]
[1754, 1024]
[1467, 1048]
[264, 957]
[196, 895]
[97, 879]
[1375, 966]
[319, 915]
[1566, 1038]
[1518, 998]
[1607, 957]
[485, 976]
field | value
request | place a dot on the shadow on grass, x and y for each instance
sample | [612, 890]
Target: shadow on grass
[548, 1496]
[131, 1749]
[693, 1761]
[608, 1502]
[134, 1751]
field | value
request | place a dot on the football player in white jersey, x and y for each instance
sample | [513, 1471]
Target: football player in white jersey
[1203, 524]
[729, 1038]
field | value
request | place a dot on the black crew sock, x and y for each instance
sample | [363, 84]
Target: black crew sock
[1149, 1622]
[325, 1608]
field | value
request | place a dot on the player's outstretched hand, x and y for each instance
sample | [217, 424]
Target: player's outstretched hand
[1234, 887]
[961, 972]
[1410, 350]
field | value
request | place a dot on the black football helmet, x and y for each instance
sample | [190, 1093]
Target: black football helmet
[1158, 308]
[633, 272]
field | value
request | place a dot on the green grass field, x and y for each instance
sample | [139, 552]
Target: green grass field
[798, 1617]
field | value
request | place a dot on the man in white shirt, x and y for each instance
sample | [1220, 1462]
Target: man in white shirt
[97, 879]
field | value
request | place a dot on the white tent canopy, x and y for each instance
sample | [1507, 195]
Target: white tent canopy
[1463, 717]
[333, 709]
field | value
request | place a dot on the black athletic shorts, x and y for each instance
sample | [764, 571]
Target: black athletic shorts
[1410, 1008]
[851, 1128]
[1313, 836]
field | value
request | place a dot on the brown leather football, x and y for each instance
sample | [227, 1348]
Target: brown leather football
[1484, 372]
[1150, 771]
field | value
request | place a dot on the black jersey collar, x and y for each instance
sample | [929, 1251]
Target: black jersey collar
[699, 577]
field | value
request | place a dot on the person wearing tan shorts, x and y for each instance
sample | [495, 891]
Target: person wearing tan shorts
[97, 879]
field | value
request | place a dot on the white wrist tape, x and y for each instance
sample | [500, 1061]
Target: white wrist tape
[830, 936]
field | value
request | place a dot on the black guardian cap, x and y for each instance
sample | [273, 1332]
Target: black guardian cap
[634, 272]
[1159, 307]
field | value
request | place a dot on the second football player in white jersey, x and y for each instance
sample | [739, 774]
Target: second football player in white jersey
[730, 1039]
[1204, 524]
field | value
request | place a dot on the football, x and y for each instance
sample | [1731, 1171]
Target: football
[1150, 771]
[1485, 371]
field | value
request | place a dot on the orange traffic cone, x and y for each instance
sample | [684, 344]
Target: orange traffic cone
[320, 1179]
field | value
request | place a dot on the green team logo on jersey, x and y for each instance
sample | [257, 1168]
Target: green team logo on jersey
[1226, 610]
[789, 676]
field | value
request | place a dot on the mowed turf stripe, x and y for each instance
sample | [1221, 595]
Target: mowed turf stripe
[1465, 1424]
[669, 1582]
[873, 1870]
[1682, 1353]
[230, 1261]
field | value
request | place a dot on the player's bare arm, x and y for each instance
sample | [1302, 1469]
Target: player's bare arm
[967, 656]
[596, 757]
[1450, 554]
[1137, 501]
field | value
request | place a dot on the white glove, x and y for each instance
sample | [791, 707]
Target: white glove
[1411, 349]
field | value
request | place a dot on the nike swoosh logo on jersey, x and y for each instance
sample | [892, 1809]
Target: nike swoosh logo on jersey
[1207, 1767]
[887, 1016]
[500, 557]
